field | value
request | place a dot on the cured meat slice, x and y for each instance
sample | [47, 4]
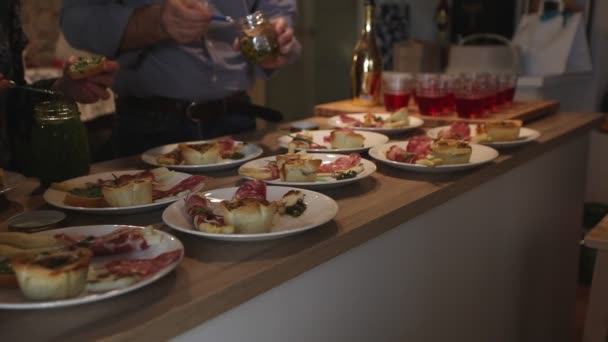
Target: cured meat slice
[252, 189]
[350, 121]
[123, 240]
[143, 267]
[228, 146]
[398, 154]
[458, 130]
[341, 164]
[191, 183]
[419, 145]
[199, 207]
[196, 204]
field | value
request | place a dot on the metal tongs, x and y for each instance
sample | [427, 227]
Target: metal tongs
[37, 90]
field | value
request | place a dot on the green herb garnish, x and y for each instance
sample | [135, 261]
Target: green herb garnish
[300, 139]
[90, 192]
[85, 243]
[236, 155]
[5, 267]
[296, 209]
[200, 211]
[345, 175]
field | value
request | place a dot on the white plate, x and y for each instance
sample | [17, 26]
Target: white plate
[55, 197]
[368, 169]
[525, 135]
[320, 209]
[415, 122]
[12, 298]
[251, 151]
[480, 155]
[371, 139]
[11, 181]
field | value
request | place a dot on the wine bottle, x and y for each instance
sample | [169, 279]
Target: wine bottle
[442, 21]
[366, 68]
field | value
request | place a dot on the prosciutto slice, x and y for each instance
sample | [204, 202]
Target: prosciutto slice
[350, 121]
[143, 267]
[398, 154]
[458, 130]
[417, 148]
[228, 146]
[254, 189]
[191, 183]
[341, 164]
[420, 146]
[122, 240]
[201, 211]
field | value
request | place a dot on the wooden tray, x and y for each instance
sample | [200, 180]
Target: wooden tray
[522, 110]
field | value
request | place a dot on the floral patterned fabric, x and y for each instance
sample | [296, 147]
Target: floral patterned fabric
[12, 40]
[16, 106]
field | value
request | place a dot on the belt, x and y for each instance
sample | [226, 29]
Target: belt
[206, 111]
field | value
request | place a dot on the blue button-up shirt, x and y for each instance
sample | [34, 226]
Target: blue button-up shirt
[200, 71]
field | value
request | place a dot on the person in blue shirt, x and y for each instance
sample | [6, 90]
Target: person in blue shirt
[181, 77]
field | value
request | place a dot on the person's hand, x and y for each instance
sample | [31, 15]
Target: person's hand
[286, 41]
[90, 89]
[5, 84]
[185, 21]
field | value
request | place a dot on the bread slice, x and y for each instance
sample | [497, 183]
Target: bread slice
[451, 151]
[56, 275]
[249, 216]
[84, 202]
[86, 67]
[135, 192]
[300, 170]
[402, 115]
[506, 130]
[283, 158]
[346, 139]
[200, 154]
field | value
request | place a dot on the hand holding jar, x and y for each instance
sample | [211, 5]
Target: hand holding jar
[267, 43]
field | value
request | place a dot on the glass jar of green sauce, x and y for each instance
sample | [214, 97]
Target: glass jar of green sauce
[60, 147]
[258, 38]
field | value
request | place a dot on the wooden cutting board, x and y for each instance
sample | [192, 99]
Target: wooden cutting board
[522, 110]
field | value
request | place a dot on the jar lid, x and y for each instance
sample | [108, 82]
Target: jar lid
[35, 221]
[56, 108]
[254, 19]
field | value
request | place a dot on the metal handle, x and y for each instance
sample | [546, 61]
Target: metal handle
[496, 37]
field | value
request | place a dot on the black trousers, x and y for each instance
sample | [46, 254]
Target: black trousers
[141, 124]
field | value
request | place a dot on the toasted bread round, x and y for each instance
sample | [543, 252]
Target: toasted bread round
[86, 67]
[86, 202]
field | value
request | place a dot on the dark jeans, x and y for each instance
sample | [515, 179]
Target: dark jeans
[140, 127]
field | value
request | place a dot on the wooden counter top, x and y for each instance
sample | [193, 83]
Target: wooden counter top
[216, 276]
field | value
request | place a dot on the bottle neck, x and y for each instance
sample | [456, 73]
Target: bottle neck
[368, 27]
